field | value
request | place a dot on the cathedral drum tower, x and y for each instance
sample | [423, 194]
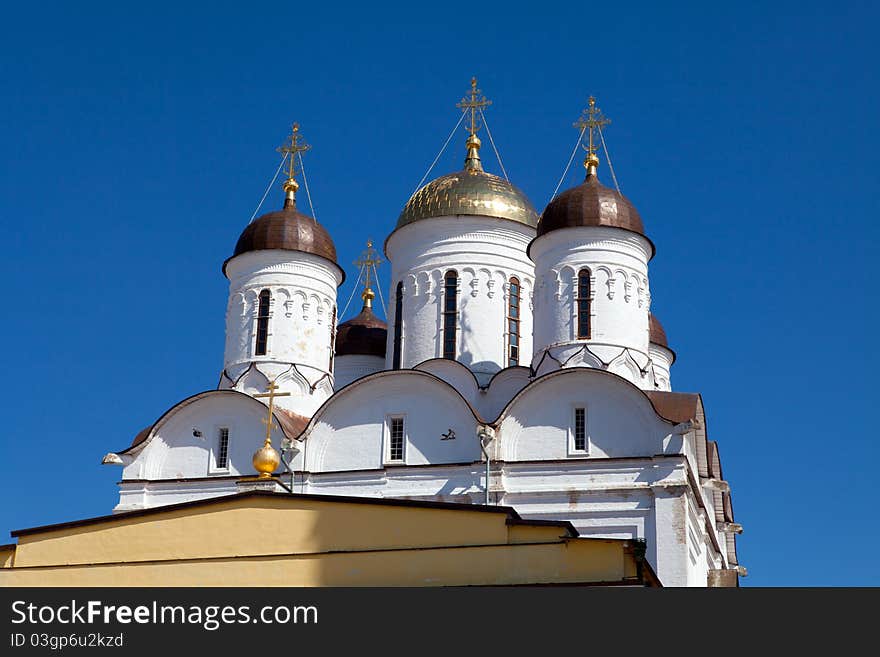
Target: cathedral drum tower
[461, 280]
[592, 299]
[281, 317]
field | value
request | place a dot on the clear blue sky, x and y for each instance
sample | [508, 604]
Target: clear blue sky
[137, 140]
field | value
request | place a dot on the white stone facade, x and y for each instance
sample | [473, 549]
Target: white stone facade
[584, 430]
[617, 261]
[352, 367]
[639, 475]
[301, 326]
[486, 253]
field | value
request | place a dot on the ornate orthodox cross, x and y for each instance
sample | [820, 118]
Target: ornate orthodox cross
[474, 101]
[271, 395]
[367, 261]
[591, 119]
[293, 147]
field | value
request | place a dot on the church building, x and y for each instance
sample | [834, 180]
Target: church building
[522, 366]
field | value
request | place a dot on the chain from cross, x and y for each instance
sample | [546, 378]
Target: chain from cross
[294, 147]
[271, 395]
[591, 119]
[474, 101]
[367, 261]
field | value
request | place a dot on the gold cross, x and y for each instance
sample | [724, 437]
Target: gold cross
[367, 260]
[592, 119]
[476, 101]
[293, 148]
[271, 395]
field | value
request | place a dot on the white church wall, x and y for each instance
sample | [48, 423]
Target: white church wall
[453, 483]
[485, 252]
[303, 299]
[351, 367]
[620, 420]
[669, 546]
[175, 451]
[489, 400]
[661, 360]
[502, 388]
[456, 375]
[618, 265]
[351, 432]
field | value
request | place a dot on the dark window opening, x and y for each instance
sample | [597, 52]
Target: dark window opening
[332, 338]
[513, 318]
[450, 313]
[583, 304]
[580, 429]
[398, 327]
[263, 323]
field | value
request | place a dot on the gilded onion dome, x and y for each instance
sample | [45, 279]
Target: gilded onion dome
[470, 191]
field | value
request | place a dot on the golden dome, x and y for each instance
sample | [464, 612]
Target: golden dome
[470, 191]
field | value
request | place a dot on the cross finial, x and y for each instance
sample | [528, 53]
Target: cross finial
[271, 394]
[367, 263]
[292, 148]
[591, 119]
[475, 101]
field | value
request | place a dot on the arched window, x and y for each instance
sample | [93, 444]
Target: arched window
[263, 323]
[398, 326]
[583, 304]
[450, 313]
[513, 299]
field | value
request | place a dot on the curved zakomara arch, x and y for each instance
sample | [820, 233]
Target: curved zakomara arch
[455, 363]
[663, 413]
[147, 434]
[586, 371]
[381, 375]
[672, 408]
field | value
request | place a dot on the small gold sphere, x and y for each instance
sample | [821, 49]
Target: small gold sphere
[290, 185]
[266, 460]
[473, 142]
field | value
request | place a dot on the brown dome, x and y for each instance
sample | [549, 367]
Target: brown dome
[364, 335]
[591, 204]
[656, 334]
[286, 229]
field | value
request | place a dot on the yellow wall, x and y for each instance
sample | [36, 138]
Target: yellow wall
[283, 540]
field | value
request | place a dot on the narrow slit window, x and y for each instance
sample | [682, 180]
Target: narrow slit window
[513, 318]
[332, 338]
[263, 323]
[222, 448]
[450, 313]
[583, 304]
[395, 439]
[580, 429]
[398, 326]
